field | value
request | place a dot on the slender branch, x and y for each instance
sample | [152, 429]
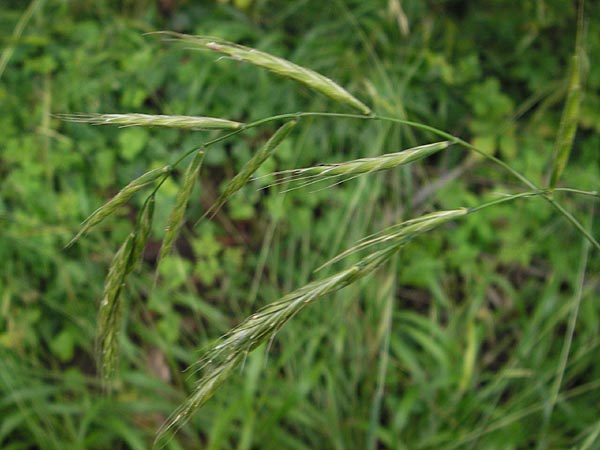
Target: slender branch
[578, 191]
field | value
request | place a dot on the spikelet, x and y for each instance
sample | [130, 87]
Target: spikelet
[143, 229]
[280, 66]
[240, 180]
[148, 120]
[363, 165]
[259, 328]
[176, 217]
[403, 232]
[110, 311]
[118, 200]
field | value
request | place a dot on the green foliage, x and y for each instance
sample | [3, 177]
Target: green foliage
[459, 342]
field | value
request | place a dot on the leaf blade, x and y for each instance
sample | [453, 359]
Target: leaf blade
[568, 123]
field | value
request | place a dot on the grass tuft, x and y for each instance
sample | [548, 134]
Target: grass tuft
[232, 349]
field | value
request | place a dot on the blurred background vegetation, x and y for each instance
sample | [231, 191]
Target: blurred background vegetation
[462, 342]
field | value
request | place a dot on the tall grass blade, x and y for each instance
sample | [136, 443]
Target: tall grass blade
[111, 307]
[9, 49]
[118, 200]
[183, 196]
[260, 327]
[568, 123]
[280, 66]
[148, 120]
[251, 167]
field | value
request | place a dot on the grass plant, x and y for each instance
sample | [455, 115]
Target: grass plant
[421, 273]
[261, 327]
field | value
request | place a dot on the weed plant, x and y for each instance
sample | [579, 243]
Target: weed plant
[435, 342]
[261, 327]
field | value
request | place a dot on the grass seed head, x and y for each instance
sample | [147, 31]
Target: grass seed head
[280, 66]
[109, 313]
[259, 328]
[363, 165]
[148, 120]
[183, 195]
[144, 227]
[241, 179]
[120, 199]
[402, 233]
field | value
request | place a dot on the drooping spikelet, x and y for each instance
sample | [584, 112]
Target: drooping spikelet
[240, 180]
[118, 200]
[176, 217]
[280, 66]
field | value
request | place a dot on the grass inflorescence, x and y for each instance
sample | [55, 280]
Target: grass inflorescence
[175, 220]
[262, 326]
[120, 199]
[241, 179]
[388, 161]
[149, 120]
[111, 309]
[219, 362]
[277, 65]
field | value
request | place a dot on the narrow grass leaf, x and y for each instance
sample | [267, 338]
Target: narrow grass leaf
[148, 120]
[143, 227]
[469, 356]
[280, 66]
[240, 180]
[568, 123]
[109, 314]
[118, 200]
[176, 217]
[260, 327]
[591, 437]
[363, 165]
